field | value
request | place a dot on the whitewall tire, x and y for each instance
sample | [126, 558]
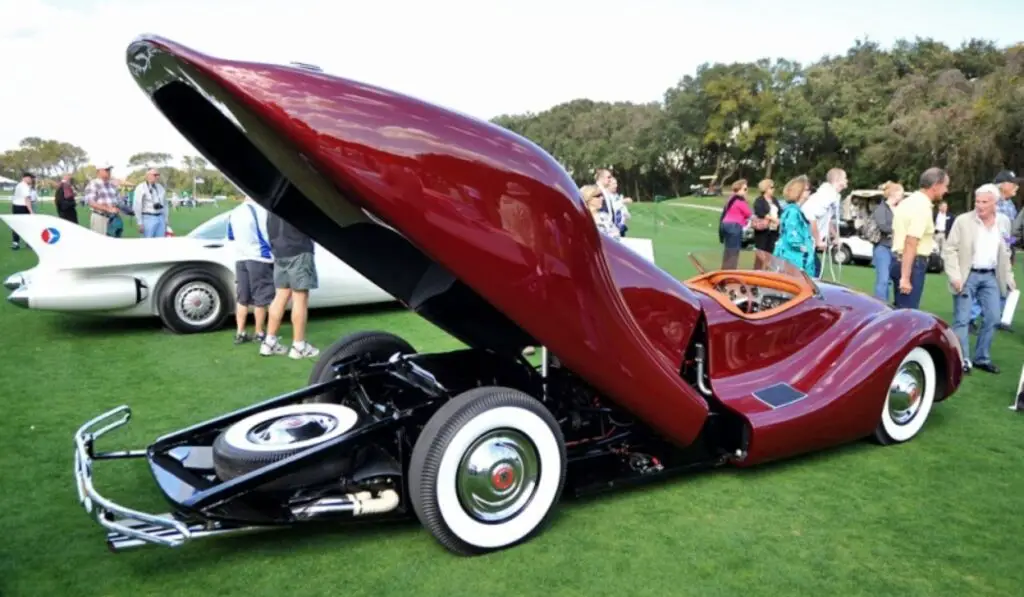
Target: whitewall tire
[277, 433]
[910, 398]
[487, 470]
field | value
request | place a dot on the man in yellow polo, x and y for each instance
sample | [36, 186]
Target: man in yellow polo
[913, 237]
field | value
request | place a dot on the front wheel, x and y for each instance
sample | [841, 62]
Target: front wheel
[487, 470]
[910, 399]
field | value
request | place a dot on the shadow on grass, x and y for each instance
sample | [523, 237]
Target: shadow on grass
[314, 536]
[87, 325]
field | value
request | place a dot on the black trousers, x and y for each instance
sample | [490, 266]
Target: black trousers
[70, 215]
[17, 209]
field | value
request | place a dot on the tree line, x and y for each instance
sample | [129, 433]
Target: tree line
[880, 114]
[50, 159]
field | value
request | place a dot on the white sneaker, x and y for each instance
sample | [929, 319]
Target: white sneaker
[307, 351]
[267, 349]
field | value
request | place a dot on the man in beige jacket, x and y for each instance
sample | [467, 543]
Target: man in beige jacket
[978, 267]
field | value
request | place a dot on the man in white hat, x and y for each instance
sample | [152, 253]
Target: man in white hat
[101, 197]
[150, 206]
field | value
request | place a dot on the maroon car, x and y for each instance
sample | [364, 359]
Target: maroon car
[482, 233]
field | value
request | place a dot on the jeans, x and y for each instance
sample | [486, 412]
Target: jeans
[882, 260]
[912, 300]
[976, 307]
[154, 226]
[732, 239]
[983, 288]
[732, 234]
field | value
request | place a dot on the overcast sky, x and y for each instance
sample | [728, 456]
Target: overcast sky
[65, 77]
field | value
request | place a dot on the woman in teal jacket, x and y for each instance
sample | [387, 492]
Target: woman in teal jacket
[795, 244]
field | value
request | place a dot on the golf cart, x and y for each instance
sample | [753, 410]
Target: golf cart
[854, 211]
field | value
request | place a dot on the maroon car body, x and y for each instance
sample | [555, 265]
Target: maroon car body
[483, 233]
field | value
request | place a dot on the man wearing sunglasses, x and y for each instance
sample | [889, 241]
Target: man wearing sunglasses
[150, 206]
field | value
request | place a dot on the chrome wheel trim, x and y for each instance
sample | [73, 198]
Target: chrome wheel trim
[498, 475]
[240, 437]
[907, 389]
[292, 429]
[197, 303]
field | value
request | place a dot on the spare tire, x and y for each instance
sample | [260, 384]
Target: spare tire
[277, 433]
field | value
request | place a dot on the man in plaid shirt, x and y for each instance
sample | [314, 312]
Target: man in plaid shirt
[101, 197]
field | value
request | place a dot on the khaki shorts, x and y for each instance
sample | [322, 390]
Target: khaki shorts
[98, 223]
[296, 273]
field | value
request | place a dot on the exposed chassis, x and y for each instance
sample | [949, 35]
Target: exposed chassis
[605, 457]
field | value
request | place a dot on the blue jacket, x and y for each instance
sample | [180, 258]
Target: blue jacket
[795, 244]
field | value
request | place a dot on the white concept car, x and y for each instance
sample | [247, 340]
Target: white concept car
[188, 281]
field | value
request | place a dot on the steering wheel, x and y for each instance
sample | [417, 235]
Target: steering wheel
[743, 290]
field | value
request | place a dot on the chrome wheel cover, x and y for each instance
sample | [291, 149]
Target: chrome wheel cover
[291, 429]
[498, 475]
[197, 303]
[906, 391]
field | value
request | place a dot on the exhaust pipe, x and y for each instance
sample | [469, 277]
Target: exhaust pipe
[356, 504]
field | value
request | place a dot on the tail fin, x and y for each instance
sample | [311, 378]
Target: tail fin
[48, 235]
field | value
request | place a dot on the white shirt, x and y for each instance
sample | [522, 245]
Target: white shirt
[147, 197]
[616, 206]
[23, 194]
[247, 229]
[820, 207]
[986, 246]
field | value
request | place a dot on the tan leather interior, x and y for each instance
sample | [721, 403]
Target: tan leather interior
[800, 289]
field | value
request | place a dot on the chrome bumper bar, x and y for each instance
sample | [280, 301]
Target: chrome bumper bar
[128, 528]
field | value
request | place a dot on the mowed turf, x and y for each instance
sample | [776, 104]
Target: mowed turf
[936, 516]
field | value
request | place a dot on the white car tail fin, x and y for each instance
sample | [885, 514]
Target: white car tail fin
[47, 234]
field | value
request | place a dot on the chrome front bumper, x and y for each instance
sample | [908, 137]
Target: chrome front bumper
[127, 528]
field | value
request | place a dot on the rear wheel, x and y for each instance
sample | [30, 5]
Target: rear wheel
[372, 344]
[842, 255]
[910, 399]
[487, 470]
[193, 300]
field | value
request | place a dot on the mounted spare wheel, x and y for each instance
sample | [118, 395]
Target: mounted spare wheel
[487, 470]
[374, 345]
[272, 435]
[193, 300]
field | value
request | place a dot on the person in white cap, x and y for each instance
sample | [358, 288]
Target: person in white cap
[101, 197]
[150, 206]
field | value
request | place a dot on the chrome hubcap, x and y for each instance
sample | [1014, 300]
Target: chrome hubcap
[498, 475]
[197, 303]
[905, 393]
[292, 429]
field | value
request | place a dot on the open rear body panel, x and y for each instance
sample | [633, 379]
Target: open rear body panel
[473, 227]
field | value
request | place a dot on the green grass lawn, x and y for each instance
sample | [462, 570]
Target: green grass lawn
[936, 516]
